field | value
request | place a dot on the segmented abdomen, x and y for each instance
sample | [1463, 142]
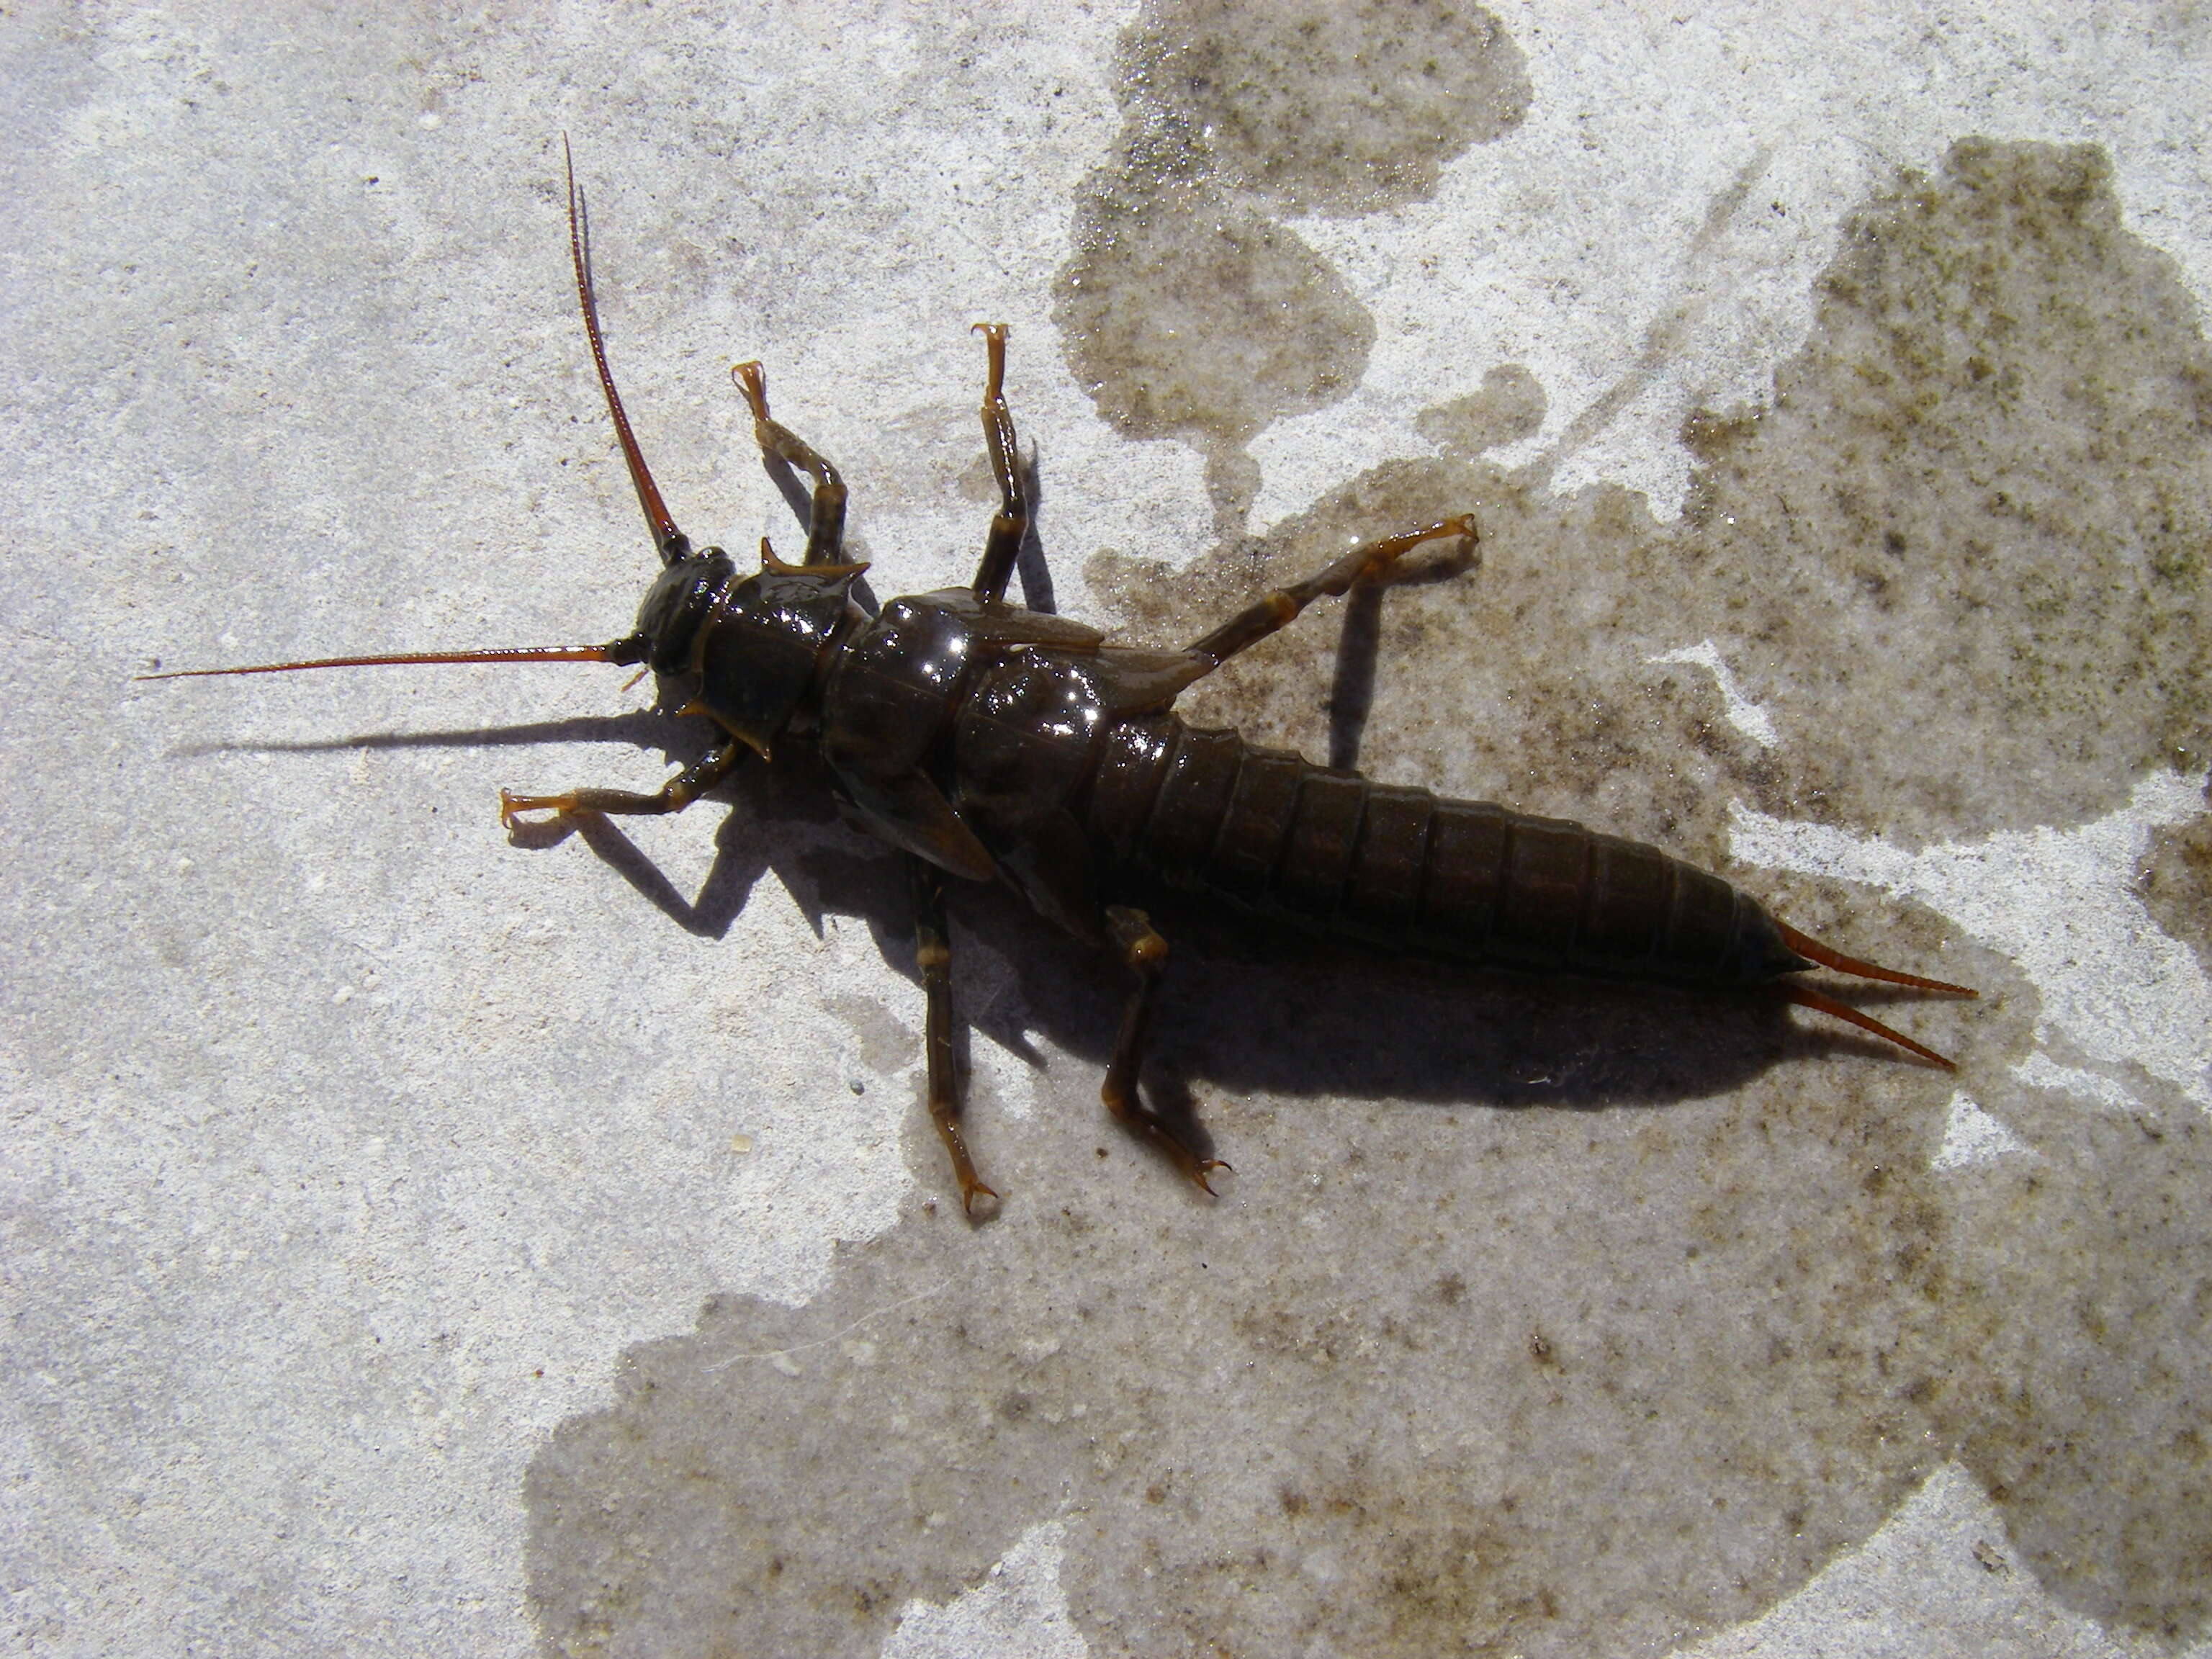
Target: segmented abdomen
[1403, 870]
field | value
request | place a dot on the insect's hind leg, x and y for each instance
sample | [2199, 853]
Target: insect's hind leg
[1144, 951]
[1011, 521]
[825, 515]
[1281, 608]
[933, 954]
[673, 796]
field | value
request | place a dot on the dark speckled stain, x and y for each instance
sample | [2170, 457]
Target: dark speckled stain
[2077, 1391]
[1448, 1377]
[1532, 1401]
[2174, 881]
[1190, 310]
[1960, 560]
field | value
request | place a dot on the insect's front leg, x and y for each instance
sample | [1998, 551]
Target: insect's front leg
[1145, 952]
[825, 514]
[673, 796]
[933, 954]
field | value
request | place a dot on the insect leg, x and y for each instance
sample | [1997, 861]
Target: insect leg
[1280, 608]
[673, 796]
[933, 954]
[1011, 521]
[1146, 953]
[825, 516]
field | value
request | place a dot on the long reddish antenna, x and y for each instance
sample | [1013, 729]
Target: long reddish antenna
[498, 654]
[672, 543]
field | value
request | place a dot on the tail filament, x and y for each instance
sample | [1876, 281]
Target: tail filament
[1805, 997]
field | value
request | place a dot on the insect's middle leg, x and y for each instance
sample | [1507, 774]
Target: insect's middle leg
[933, 954]
[1011, 521]
[1280, 608]
[673, 796]
[825, 516]
[1144, 951]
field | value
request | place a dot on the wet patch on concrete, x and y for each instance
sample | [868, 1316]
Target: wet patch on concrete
[1440, 1381]
[1190, 310]
[885, 1042]
[1509, 407]
[1319, 109]
[2084, 1328]
[1449, 1377]
[1959, 562]
[1967, 522]
[2174, 882]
